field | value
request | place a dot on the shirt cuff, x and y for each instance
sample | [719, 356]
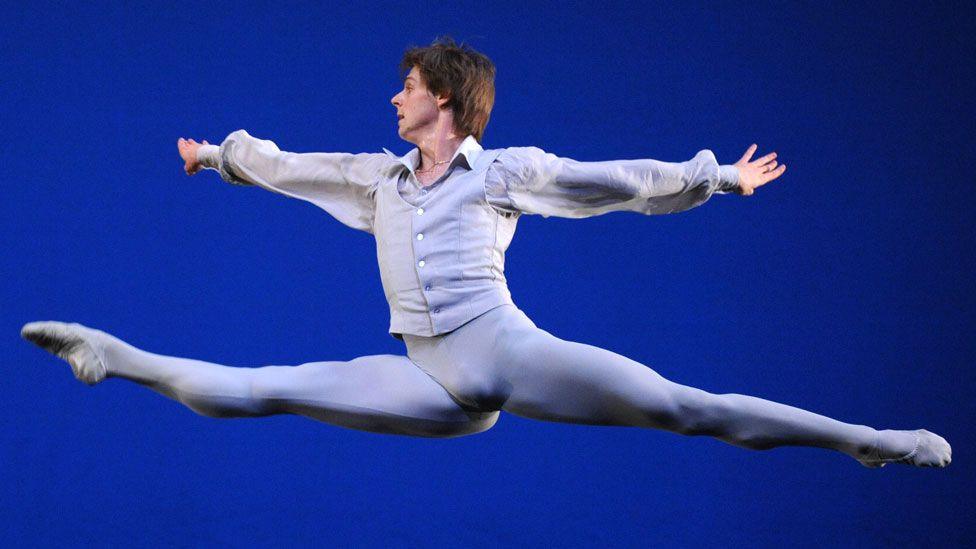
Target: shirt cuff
[209, 156]
[728, 178]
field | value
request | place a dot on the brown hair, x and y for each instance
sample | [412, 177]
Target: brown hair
[466, 75]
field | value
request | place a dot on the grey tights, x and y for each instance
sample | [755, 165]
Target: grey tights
[456, 384]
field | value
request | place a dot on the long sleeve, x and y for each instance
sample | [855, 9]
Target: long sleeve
[342, 184]
[530, 180]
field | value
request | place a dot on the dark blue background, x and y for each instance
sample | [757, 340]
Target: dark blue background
[844, 287]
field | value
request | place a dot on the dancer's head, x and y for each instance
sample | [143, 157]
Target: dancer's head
[446, 87]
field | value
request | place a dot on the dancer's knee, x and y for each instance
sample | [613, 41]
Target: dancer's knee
[697, 412]
[224, 394]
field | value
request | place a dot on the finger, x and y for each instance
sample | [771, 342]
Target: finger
[748, 153]
[205, 142]
[767, 177]
[765, 159]
[770, 167]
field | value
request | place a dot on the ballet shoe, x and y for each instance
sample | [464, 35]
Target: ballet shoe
[930, 450]
[72, 342]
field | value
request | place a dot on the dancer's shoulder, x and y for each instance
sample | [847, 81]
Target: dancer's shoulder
[519, 154]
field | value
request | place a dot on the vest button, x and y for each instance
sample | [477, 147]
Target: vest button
[420, 236]
[437, 310]
[421, 263]
[420, 211]
[427, 287]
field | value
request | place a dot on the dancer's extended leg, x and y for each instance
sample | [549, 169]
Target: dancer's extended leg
[556, 380]
[379, 393]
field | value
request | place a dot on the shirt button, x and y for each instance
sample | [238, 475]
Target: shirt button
[427, 287]
[421, 263]
[423, 191]
[420, 211]
[437, 310]
[420, 236]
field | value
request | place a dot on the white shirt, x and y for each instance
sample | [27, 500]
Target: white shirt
[441, 249]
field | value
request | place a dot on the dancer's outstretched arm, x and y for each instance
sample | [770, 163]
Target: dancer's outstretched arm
[342, 184]
[543, 183]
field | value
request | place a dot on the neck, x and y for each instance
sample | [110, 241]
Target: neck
[438, 145]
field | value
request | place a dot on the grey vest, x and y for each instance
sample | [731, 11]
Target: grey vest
[442, 262]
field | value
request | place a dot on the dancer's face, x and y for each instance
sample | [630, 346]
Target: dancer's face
[417, 109]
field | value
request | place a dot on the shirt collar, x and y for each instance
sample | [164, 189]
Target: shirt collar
[468, 150]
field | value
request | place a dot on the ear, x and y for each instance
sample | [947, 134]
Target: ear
[443, 99]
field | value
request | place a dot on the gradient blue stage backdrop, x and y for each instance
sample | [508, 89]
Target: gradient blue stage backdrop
[845, 287]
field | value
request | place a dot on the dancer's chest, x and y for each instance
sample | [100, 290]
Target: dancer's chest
[428, 178]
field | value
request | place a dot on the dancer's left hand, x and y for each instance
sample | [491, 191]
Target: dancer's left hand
[188, 151]
[758, 172]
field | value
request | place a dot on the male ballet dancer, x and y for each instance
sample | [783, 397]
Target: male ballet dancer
[443, 216]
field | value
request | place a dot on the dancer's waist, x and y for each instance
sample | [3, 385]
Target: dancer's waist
[431, 311]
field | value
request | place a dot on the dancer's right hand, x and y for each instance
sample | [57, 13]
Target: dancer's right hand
[758, 172]
[188, 151]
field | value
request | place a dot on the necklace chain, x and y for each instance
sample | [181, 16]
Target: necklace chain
[432, 167]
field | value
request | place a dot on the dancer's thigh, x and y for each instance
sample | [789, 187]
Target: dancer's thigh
[557, 380]
[381, 393]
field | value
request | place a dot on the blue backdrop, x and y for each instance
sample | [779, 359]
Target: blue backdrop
[844, 287]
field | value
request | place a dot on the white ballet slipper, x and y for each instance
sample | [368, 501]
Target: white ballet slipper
[76, 344]
[930, 450]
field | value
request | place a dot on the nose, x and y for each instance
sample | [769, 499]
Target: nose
[394, 100]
